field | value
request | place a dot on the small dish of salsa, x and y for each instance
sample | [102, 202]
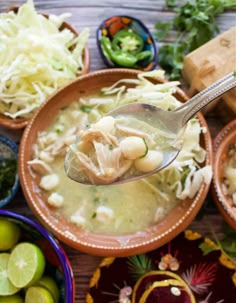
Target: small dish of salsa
[9, 181]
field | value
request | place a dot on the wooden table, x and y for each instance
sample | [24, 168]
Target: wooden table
[89, 14]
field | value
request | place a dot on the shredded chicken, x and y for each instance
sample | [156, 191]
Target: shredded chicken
[104, 173]
[40, 167]
[129, 131]
[95, 134]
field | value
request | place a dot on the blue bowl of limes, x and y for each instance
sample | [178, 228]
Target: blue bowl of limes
[9, 181]
[33, 265]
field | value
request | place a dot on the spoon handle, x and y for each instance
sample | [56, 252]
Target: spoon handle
[206, 96]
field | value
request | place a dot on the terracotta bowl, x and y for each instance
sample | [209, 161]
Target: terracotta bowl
[57, 264]
[224, 141]
[112, 25]
[19, 123]
[89, 242]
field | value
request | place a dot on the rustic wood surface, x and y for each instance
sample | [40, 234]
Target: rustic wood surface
[90, 13]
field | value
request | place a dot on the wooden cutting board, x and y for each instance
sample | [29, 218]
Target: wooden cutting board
[209, 63]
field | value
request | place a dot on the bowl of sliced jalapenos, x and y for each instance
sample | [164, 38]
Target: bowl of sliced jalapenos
[124, 41]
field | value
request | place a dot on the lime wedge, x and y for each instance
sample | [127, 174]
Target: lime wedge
[50, 284]
[37, 294]
[26, 264]
[9, 234]
[6, 287]
[12, 299]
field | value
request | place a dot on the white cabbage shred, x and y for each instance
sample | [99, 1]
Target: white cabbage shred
[229, 174]
[35, 58]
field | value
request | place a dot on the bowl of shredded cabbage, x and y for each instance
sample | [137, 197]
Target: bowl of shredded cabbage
[224, 172]
[39, 54]
[121, 219]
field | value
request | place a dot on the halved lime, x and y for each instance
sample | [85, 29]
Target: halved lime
[6, 287]
[50, 284]
[9, 234]
[12, 299]
[37, 294]
[26, 264]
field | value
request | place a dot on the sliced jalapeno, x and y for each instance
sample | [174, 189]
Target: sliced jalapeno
[144, 55]
[106, 46]
[128, 41]
[123, 59]
[118, 57]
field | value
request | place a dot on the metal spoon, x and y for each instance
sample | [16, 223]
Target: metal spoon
[170, 122]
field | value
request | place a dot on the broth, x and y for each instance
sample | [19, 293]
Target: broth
[135, 205]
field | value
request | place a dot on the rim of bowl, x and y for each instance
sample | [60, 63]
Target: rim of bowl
[117, 245]
[109, 63]
[64, 261]
[220, 144]
[13, 146]
[19, 123]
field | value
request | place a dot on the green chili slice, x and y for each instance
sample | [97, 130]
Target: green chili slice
[128, 41]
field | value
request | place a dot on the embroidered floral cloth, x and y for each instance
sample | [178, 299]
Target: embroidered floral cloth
[189, 269]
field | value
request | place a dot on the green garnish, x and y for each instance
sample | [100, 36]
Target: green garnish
[8, 168]
[146, 151]
[94, 215]
[184, 176]
[85, 108]
[195, 23]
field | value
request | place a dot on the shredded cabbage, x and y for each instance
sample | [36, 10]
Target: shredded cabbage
[35, 58]
[229, 173]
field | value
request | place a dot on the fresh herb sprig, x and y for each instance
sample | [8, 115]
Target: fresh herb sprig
[195, 24]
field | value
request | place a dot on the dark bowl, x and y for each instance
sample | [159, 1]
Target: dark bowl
[8, 151]
[112, 25]
[58, 265]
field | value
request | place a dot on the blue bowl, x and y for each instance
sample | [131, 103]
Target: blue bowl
[9, 149]
[58, 265]
[111, 26]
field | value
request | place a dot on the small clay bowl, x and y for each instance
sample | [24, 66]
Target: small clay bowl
[20, 123]
[57, 263]
[8, 156]
[111, 26]
[91, 242]
[223, 145]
